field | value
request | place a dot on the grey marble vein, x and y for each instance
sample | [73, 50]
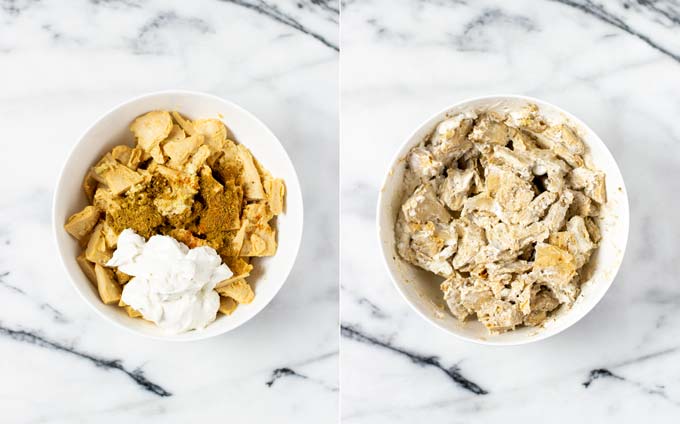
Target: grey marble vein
[657, 390]
[136, 4]
[666, 12]
[600, 373]
[607, 373]
[472, 37]
[286, 372]
[374, 309]
[290, 370]
[62, 37]
[16, 7]
[369, 306]
[600, 12]
[314, 359]
[33, 338]
[272, 11]
[145, 41]
[56, 314]
[329, 5]
[283, 372]
[454, 373]
[646, 357]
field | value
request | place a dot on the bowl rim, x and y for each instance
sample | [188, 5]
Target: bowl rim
[398, 155]
[191, 335]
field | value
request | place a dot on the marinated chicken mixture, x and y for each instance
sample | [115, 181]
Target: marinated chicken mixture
[186, 180]
[505, 209]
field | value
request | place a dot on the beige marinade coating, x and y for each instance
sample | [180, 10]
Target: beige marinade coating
[504, 208]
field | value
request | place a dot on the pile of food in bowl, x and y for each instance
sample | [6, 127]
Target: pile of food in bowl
[504, 207]
[174, 221]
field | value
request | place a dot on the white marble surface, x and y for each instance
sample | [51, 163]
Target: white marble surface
[618, 68]
[62, 64]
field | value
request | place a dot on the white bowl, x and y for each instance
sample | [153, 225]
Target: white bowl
[421, 290]
[112, 129]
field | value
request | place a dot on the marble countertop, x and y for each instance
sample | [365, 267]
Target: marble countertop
[62, 64]
[614, 64]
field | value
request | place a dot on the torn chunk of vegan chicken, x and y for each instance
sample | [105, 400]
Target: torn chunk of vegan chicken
[471, 240]
[591, 182]
[456, 187]
[527, 118]
[554, 265]
[452, 295]
[536, 208]
[227, 305]
[118, 178]
[557, 212]
[239, 266]
[424, 206]
[251, 178]
[512, 192]
[97, 251]
[275, 191]
[422, 163]
[87, 267]
[507, 159]
[575, 240]
[213, 130]
[449, 140]
[563, 135]
[109, 289]
[180, 150]
[260, 240]
[490, 130]
[238, 290]
[432, 245]
[150, 129]
[80, 224]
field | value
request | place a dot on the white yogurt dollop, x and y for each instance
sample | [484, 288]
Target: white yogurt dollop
[172, 285]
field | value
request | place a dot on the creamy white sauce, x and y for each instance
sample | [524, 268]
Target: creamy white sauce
[172, 285]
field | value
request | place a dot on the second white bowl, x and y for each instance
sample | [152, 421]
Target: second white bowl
[421, 290]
